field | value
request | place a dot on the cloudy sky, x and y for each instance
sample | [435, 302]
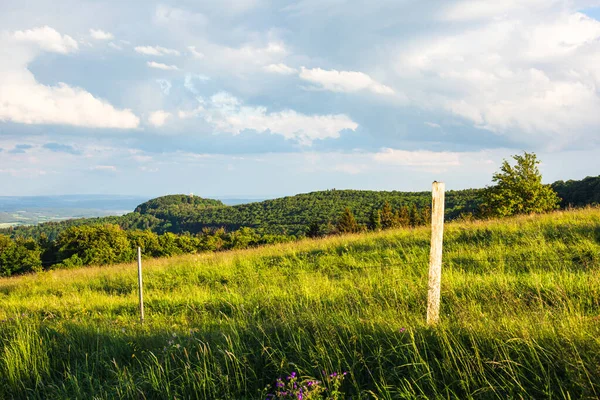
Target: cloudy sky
[265, 98]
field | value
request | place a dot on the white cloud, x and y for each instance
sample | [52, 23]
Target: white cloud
[432, 125]
[159, 117]
[105, 168]
[29, 102]
[248, 58]
[190, 79]
[156, 51]
[24, 100]
[419, 158]
[47, 39]
[343, 81]
[281, 69]
[226, 113]
[531, 77]
[99, 34]
[166, 15]
[195, 53]
[144, 168]
[115, 46]
[153, 64]
[165, 85]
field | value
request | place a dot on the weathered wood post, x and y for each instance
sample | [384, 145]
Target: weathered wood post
[435, 254]
[140, 284]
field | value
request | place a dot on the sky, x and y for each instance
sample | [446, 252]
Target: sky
[267, 98]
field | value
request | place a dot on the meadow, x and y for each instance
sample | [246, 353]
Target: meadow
[520, 318]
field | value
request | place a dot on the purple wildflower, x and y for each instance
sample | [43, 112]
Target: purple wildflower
[402, 330]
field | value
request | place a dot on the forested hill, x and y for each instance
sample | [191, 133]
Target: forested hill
[175, 204]
[287, 215]
[292, 215]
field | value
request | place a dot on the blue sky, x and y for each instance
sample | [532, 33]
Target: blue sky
[266, 98]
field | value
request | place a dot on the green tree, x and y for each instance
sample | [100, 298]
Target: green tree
[387, 216]
[93, 244]
[426, 215]
[375, 220]
[347, 223]
[518, 189]
[313, 230]
[19, 256]
[415, 216]
[404, 216]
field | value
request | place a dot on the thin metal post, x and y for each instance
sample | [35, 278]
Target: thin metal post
[435, 255]
[140, 285]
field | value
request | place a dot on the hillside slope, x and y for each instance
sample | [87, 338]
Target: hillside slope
[520, 318]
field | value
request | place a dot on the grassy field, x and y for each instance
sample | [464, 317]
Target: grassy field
[520, 319]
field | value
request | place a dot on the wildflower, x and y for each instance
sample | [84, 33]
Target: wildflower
[280, 383]
[402, 330]
[178, 345]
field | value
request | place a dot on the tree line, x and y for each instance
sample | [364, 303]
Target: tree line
[104, 244]
[180, 224]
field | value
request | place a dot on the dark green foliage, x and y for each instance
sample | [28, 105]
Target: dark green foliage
[388, 219]
[18, 256]
[375, 220]
[403, 218]
[314, 230]
[426, 215]
[415, 216]
[93, 244]
[175, 204]
[347, 223]
[179, 224]
[519, 189]
[578, 193]
[287, 215]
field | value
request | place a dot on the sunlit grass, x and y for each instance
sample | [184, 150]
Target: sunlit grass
[520, 318]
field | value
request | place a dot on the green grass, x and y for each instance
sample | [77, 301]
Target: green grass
[520, 318]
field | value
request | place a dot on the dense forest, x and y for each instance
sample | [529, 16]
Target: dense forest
[178, 224]
[284, 216]
[578, 193]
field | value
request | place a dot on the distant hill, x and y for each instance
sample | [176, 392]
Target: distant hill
[287, 215]
[291, 215]
[175, 204]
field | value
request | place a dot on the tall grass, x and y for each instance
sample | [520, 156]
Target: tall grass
[520, 318]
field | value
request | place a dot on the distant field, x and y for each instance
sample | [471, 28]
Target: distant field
[520, 318]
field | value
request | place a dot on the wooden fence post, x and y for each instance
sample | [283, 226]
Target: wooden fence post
[141, 287]
[435, 255]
